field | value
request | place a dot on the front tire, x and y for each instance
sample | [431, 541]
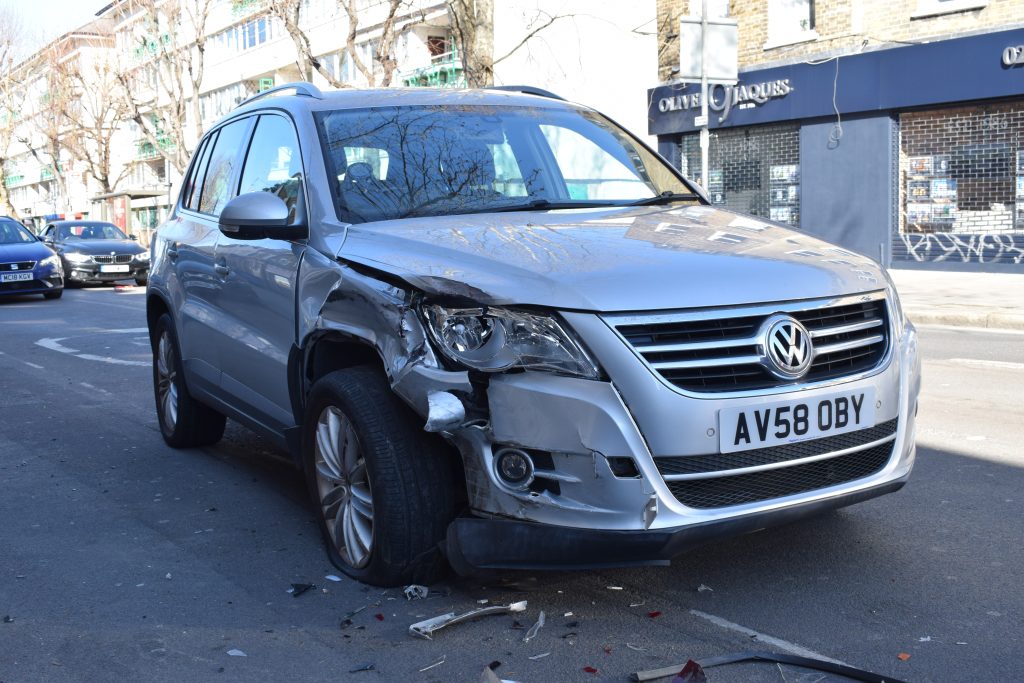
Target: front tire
[184, 421]
[141, 281]
[384, 491]
[55, 294]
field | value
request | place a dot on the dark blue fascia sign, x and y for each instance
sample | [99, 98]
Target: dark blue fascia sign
[978, 67]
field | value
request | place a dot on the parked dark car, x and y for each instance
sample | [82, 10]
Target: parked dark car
[95, 251]
[26, 266]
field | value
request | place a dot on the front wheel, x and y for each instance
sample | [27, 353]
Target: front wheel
[384, 490]
[54, 294]
[141, 281]
[184, 421]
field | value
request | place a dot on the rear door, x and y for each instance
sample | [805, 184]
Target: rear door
[257, 282]
[190, 240]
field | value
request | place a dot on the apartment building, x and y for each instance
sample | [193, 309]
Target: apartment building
[559, 45]
[893, 127]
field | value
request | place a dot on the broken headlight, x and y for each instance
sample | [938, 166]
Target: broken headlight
[496, 339]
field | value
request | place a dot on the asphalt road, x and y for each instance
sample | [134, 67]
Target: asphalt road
[121, 559]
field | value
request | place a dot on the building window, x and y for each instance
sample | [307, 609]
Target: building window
[717, 9]
[790, 21]
[931, 8]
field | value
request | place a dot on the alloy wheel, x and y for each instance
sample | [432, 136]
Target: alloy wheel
[343, 485]
[167, 385]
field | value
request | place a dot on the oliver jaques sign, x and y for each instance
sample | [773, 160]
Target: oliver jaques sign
[723, 98]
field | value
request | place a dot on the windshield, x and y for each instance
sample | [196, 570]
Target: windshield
[398, 162]
[90, 231]
[14, 233]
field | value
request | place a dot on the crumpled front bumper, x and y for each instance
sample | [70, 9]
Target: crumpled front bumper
[600, 519]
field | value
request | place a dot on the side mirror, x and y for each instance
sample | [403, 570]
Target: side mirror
[133, 237]
[258, 215]
[40, 238]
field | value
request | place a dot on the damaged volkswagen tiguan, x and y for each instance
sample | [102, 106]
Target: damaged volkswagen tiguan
[495, 330]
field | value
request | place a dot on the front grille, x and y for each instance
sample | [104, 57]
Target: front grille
[17, 266]
[723, 462]
[720, 350]
[758, 486]
[115, 258]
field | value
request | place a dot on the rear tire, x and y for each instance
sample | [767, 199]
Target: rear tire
[56, 294]
[141, 281]
[184, 421]
[384, 491]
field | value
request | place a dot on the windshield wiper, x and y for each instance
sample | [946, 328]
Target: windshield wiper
[546, 205]
[666, 197]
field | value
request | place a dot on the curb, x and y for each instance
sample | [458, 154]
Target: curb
[994, 320]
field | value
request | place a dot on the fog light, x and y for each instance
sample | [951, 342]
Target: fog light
[514, 467]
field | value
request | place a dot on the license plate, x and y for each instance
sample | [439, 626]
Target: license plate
[771, 424]
[15, 277]
[114, 269]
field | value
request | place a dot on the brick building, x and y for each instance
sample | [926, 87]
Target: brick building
[893, 127]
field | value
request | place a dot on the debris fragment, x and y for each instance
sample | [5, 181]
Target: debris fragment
[237, 653]
[637, 648]
[924, 639]
[364, 667]
[415, 592]
[542, 655]
[590, 669]
[435, 664]
[167, 576]
[773, 657]
[535, 628]
[378, 616]
[488, 676]
[298, 589]
[572, 624]
[607, 649]
[517, 626]
[332, 577]
[427, 627]
[482, 601]
[903, 656]
[654, 615]
[8, 619]
[691, 673]
[704, 589]
[614, 588]
[567, 614]
[638, 604]
[960, 642]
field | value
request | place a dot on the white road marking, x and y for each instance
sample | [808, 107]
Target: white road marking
[785, 645]
[988, 364]
[54, 344]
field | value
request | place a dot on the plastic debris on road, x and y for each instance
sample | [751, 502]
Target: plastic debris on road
[415, 592]
[427, 627]
[590, 670]
[542, 655]
[8, 619]
[704, 589]
[903, 656]
[237, 653]
[435, 664]
[614, 588]
[332, 577]
[693, 670]
[298, 589]
[535, 628]
[654, 615]
[364, 667]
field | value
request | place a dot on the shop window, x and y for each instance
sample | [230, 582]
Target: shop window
[790, 21]
[962, 171]
[751, 170]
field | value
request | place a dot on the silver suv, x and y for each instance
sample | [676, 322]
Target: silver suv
[495, 330]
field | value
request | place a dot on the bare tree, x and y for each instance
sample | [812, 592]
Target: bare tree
[288, 11]
[472, 23]
[44, 137]
[10, 36]
[95, 117]
[163, 89]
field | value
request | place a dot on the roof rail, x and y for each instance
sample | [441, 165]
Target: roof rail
[297, 88]
[527, 90]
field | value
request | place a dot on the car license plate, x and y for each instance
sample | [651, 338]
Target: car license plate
[771, 424]
[15, 277]
[114, 269]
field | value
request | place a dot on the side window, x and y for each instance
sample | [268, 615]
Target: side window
[189, 193]
[49, 233]
[220, 169]
[273, 163]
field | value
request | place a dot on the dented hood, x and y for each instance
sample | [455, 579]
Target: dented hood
[643, 258]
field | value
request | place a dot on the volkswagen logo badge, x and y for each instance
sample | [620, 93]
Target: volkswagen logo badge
[787, 351]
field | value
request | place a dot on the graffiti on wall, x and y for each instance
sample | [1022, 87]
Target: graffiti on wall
[960, 248]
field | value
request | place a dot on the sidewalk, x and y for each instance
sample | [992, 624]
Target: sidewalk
[965, 299]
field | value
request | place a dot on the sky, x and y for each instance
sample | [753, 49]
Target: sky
[46, 19]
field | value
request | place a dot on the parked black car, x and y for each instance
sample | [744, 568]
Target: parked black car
[95, 251]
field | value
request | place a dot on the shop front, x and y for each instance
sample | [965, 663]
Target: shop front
[907, 154]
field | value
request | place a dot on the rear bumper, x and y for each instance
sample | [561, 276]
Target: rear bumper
[475, 544]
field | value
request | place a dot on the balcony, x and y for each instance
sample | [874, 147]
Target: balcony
[147, 151]
[14, 180]
[445, 71]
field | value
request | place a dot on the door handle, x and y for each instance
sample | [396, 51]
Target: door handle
[221, 270]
